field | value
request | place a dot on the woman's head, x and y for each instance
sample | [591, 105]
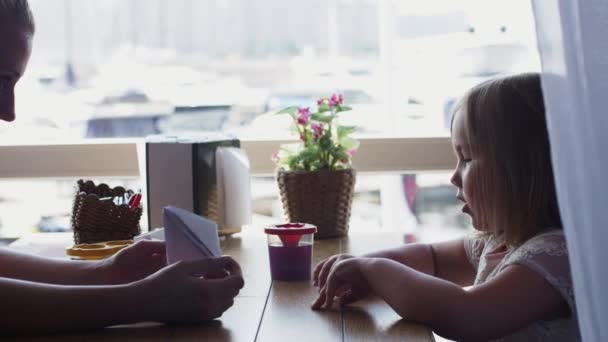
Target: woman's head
[504, 173]
[16, 32]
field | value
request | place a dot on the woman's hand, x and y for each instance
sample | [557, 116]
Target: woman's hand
[133, 263]
[322, 269]
[345, 282]
[190, 291]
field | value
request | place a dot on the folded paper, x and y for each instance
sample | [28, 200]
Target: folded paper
[189, 236]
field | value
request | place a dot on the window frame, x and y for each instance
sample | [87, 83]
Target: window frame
[119, 157]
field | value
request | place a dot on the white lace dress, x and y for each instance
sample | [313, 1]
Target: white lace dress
[545, 254]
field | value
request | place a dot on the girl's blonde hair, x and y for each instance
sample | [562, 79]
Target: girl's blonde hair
[506, 125]
[17, 12]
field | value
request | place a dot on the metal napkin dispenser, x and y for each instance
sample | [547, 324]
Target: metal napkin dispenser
[207, 175]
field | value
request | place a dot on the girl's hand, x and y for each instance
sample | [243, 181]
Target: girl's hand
[133, 263]
[322, 269]
[345, 282]
[190, 292]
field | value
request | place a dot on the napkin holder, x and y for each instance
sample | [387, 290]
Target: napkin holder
[207, 175]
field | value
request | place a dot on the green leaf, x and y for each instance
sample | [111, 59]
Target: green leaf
[344, 131]
[323, 108]
[325, 142]
[343, 108]
[349, 143]
[289, 110]
[322, 117]
[292, 162]
[309, 158]
[339, 154]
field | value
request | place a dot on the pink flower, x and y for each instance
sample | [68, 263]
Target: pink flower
[333, 100]
[340, 99]
[275, 157]
[303, 137]
[320, 102]
[304, 111]
[351, 153]
[303, 115]
[317, 130]
[409, 238]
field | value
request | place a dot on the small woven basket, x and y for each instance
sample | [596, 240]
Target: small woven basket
[95, 220]
[322, 198]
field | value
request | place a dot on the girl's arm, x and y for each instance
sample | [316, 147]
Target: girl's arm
[514, 299]
[34, 268]
[446, 260]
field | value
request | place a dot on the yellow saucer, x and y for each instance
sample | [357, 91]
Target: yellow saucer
[96, 251]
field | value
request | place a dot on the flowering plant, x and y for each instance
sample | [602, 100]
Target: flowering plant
[323, 145]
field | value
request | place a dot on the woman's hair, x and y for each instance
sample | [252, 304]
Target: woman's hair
[506, 125]
[17, 12]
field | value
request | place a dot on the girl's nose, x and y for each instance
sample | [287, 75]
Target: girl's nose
[455, 179]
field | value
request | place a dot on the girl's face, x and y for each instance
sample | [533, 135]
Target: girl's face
[466, 176]
[15, 49]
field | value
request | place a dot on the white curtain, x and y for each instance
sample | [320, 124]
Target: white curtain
[574, 53]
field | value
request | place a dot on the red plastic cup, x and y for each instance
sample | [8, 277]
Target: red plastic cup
[290, 251]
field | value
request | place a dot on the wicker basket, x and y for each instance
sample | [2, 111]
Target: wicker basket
[322, 198]
[95, 220]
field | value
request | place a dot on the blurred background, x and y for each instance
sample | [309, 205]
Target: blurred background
[130, 68]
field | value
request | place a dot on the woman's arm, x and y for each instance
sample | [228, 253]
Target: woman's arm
[130, 264]
[514, 299]
[35, 308]
[34, 268]
[182, 292]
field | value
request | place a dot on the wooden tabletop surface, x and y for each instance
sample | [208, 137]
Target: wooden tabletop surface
[278, 311]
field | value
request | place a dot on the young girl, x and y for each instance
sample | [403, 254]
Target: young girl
[516, 264]
[41, 295]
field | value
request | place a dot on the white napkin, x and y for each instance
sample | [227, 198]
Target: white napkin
[189, 236]
[234, 183]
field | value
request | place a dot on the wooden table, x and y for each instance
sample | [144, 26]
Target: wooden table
[279, 311]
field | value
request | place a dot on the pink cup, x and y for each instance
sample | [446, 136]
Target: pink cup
[290, 251]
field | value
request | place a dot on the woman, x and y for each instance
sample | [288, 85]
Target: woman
[43, 295]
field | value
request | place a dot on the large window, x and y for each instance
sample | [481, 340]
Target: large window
[117, 68]
[132, 68]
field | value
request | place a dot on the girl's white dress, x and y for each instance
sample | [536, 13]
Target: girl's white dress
[545, 254]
